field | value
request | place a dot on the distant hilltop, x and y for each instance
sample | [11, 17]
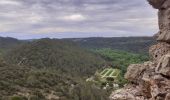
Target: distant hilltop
[130, 44]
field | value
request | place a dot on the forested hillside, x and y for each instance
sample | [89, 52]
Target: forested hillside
[121, 59]
[54, 53]
[49, 67]
[8, 42]
[130, 44]
[23, 82]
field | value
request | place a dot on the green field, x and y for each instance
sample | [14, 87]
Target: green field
[103, 72]
[110, 72]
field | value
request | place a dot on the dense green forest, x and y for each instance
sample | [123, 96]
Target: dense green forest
[19, 81]
[121, 59]
[52, 69]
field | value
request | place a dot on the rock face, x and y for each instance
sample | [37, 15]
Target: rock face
[151, 80]
[158, 50]
[163, 17]
[164, 66]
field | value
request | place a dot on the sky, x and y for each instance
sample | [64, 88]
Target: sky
[27, 19]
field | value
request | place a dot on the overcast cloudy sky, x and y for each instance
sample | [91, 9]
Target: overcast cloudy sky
[76, 18]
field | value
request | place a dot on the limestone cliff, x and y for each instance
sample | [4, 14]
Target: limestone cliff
[151, 80]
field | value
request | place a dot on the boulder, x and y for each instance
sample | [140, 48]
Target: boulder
[133, 72]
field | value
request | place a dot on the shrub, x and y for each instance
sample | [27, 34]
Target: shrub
[18, 98]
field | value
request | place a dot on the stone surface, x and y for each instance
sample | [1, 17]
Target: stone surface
[164, 25]
[149, 85]
[164, 21]
[163, 66]
[158, 50]
[167, 96]
[127, 94]
[134, 71]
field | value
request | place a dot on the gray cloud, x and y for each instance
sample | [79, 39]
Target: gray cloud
[79, 18]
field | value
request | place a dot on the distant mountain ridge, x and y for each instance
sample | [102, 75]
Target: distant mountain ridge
[8, 42]
[130, 44]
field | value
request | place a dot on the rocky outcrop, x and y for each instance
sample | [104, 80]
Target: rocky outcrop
[151, 80]
[163, 17]
[136, 71]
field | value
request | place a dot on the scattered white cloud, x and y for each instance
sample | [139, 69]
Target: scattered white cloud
[9, 2]
[47, 30]
[34, 18]
[74, 17]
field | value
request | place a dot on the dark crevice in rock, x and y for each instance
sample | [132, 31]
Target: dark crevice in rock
[167, 77]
